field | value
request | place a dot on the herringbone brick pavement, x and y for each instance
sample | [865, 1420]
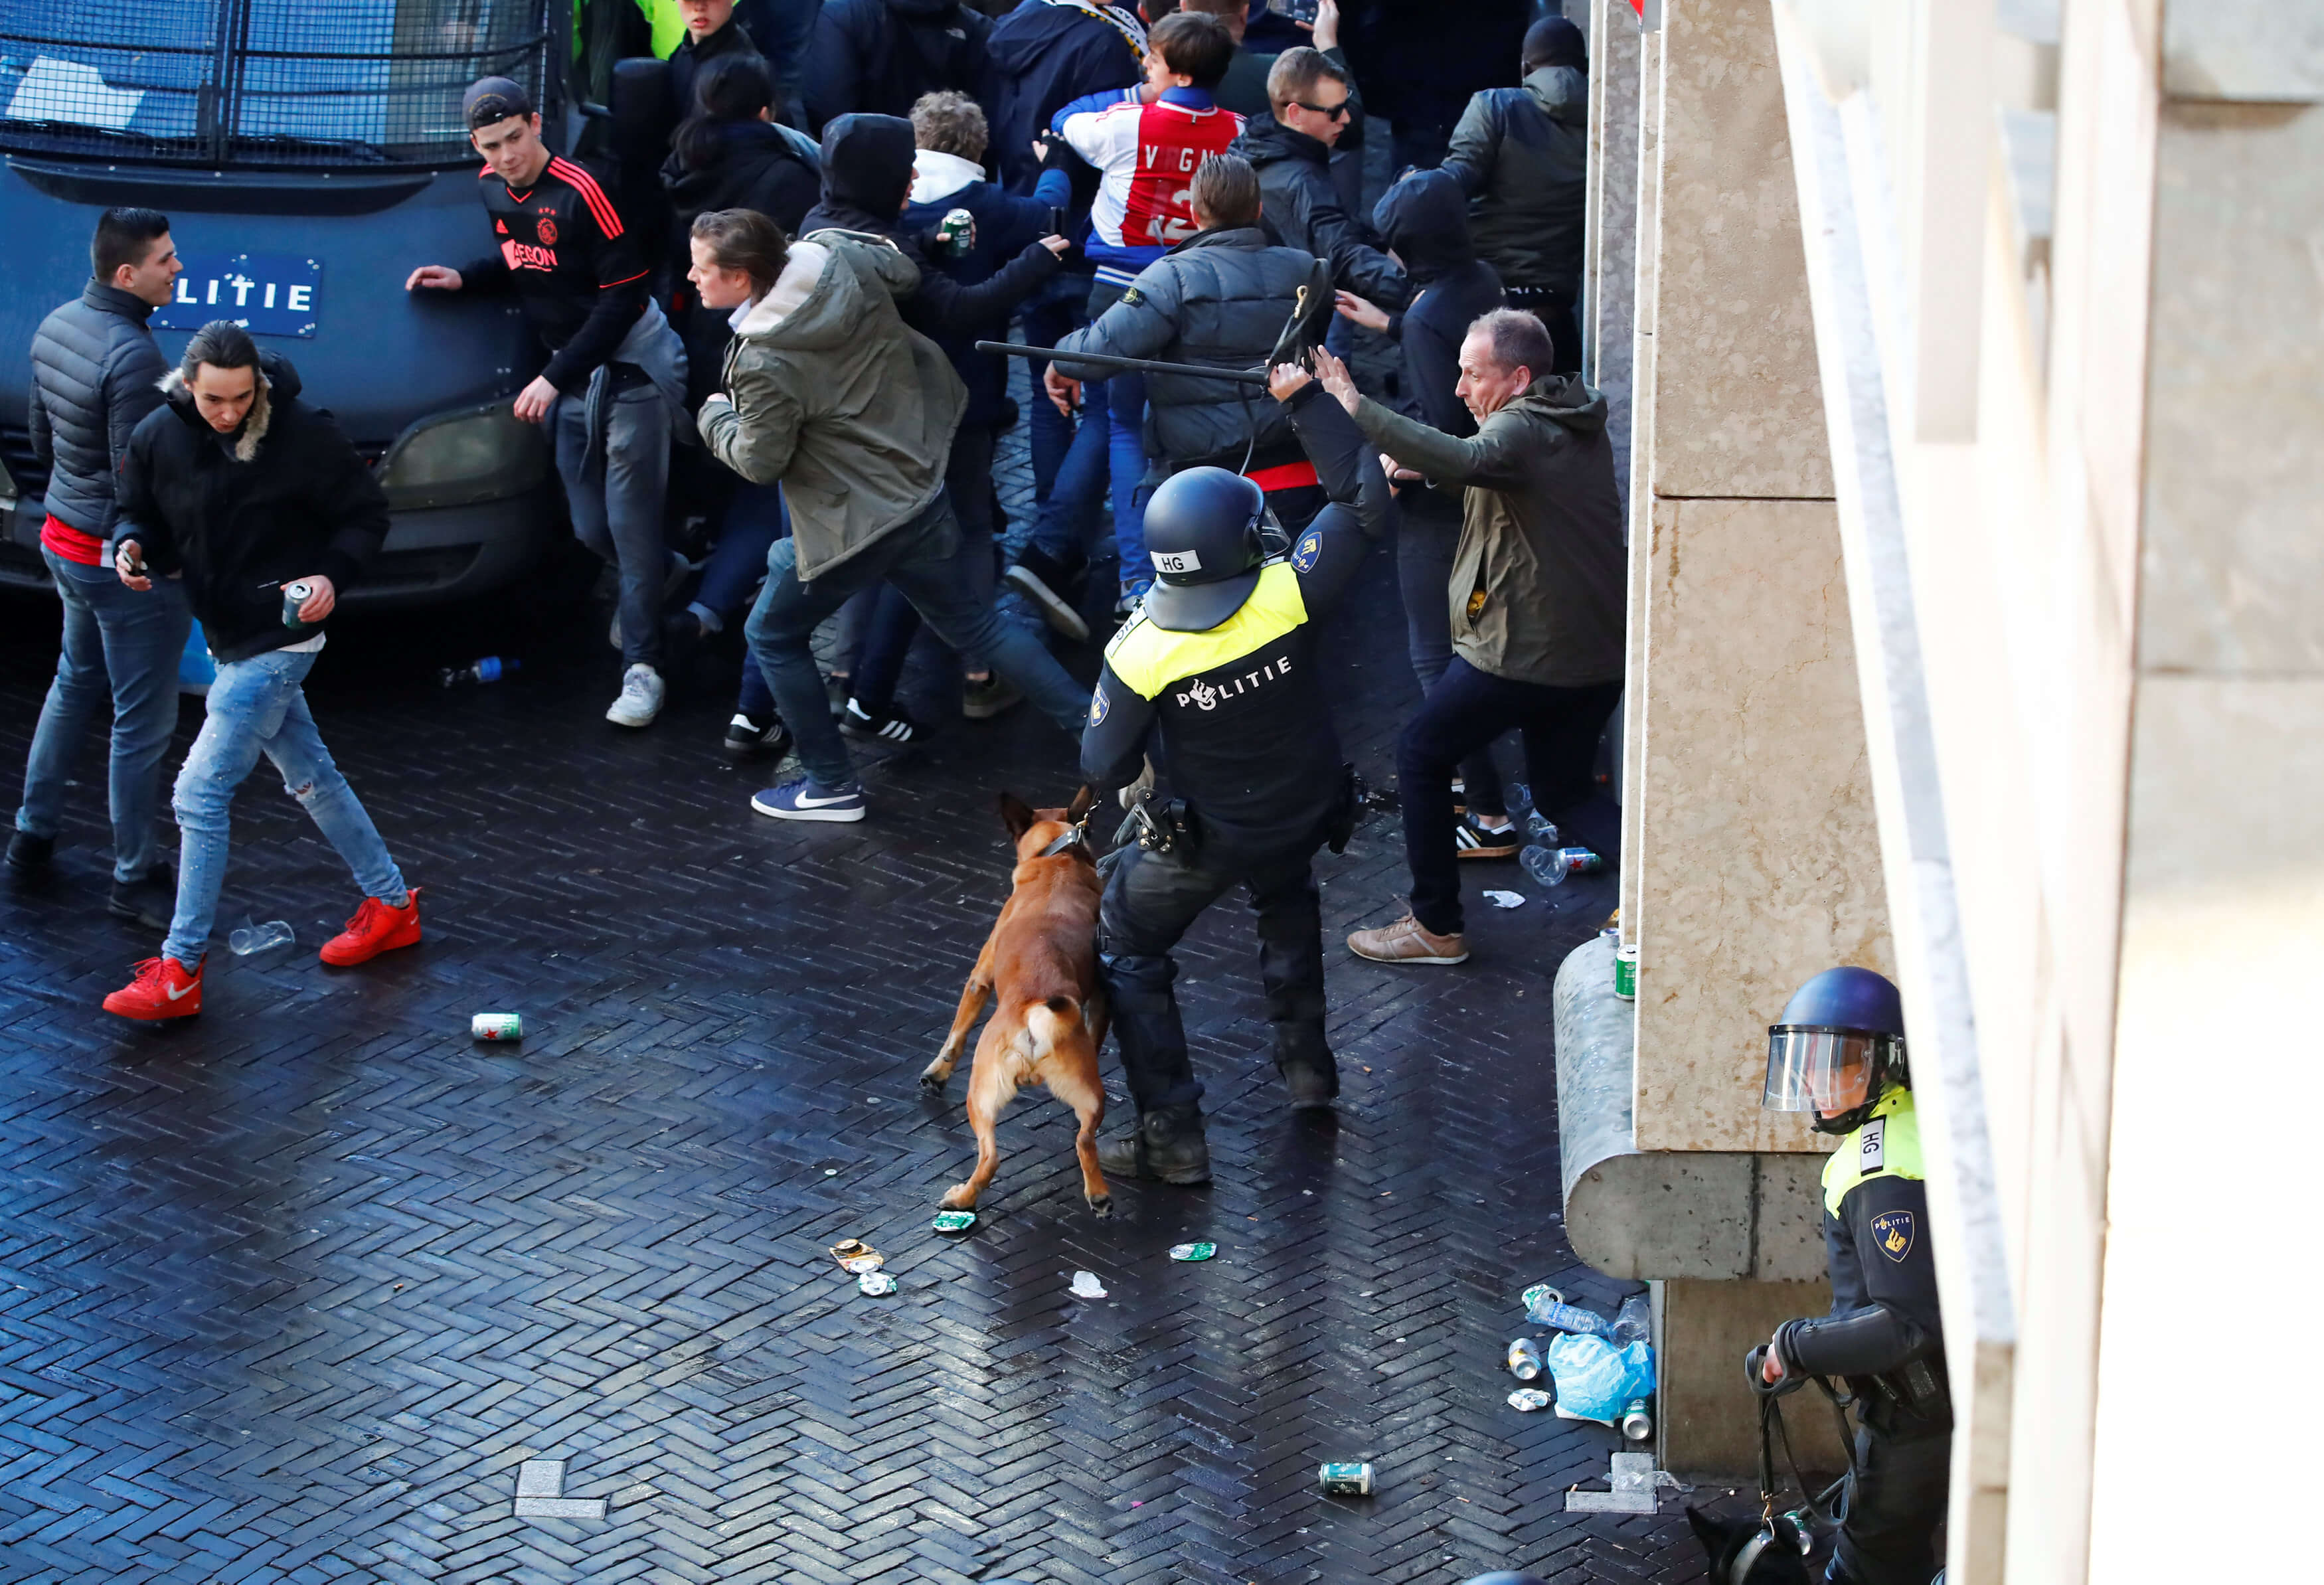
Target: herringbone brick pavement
[288, 1292]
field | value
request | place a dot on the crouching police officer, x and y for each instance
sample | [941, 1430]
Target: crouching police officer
[1840, 1053]
[1223, 660]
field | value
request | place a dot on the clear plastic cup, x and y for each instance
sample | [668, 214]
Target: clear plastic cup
[253, 938]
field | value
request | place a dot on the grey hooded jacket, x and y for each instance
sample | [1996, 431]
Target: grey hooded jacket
[96, 372]
[1220, 299]
[1522, 155]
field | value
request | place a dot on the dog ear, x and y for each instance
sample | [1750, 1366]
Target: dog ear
[1709, 1531]
[1015, 815]
[1080, 805]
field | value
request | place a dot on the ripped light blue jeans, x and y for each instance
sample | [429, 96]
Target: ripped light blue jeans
[256, 706]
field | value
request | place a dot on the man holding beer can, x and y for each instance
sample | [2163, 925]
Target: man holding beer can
[245, 494]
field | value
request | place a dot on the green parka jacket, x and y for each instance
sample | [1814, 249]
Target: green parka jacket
[832, 394]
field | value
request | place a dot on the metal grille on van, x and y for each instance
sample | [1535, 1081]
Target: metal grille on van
[373, 84]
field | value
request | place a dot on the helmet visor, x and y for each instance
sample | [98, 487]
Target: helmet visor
[1811, 1069]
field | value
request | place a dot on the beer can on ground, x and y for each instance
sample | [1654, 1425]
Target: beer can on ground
[1525, 1358]
[294, 596]
[1626, 973]
[497, 1027]
[1637, 1422]
[954, 1221]
[1345, 1479]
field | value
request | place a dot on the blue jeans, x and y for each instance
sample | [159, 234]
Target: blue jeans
[1068, 517]
[1050, 313]
[124, 646]
[894, 622]
[616, 504]
[919, 558]
[755, 518]
[1126, 401]
[257, 708]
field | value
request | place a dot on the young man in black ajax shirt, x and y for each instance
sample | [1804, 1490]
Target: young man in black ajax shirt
[616, 373]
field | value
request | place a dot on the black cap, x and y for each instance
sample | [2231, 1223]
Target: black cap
[492, 99]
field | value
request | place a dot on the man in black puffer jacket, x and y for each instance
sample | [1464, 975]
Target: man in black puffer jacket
[96, 373]
[1221, 298]
[253, 500]
[1291, 150]
[1523, 156]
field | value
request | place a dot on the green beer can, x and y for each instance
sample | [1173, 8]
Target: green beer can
[1345, 1479]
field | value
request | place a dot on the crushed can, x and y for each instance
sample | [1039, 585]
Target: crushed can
[1193, 1251]
[954, 1221]
[878, 1283]
[1524, 1359]
[856, 1257]
[496, 1027]
[294, 596]
[1345, 1479]
[1526, 1399]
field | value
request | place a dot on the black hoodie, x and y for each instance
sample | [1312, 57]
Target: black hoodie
[1044, 58]
[1424, 219]
[867, 175]
[283, 496]
[880, 55]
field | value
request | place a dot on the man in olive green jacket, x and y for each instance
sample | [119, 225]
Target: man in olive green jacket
[1536, 596]
[827, 391]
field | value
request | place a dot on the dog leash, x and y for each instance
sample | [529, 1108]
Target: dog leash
[1075, 836]
[1825, 1511]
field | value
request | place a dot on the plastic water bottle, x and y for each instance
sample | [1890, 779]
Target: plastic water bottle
[1553, 866]
[1634, 1322]
[490, 668]
[253, 938]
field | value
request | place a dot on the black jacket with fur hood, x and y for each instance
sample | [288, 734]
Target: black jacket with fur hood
[281, 498]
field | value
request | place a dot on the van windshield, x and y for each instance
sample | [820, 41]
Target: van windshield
[259, 82]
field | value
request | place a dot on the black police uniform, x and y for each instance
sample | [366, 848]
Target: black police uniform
[1245, 739]
[1885, 1337]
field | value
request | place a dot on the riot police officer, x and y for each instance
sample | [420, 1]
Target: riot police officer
[1217, 675]
[1840, 1053]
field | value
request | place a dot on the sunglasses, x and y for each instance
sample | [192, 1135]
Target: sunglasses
[1336, 112]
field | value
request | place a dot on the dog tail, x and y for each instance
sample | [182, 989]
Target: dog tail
[1047, 1021]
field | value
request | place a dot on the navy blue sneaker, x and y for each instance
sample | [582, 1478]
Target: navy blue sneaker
[804, 801]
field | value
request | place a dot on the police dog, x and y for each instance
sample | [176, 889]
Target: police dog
[1042, 962]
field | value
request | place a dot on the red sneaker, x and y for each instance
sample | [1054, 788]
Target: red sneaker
[164, 988]
[377, 927]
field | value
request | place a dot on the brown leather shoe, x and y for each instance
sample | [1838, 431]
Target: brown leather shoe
[1406, 941]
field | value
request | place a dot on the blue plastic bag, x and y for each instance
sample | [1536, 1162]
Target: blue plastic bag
[196, 669]
[1595, 1379]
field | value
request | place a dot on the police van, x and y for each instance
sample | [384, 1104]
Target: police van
[309, 156]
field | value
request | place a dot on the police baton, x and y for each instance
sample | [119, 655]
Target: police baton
[1017, 349]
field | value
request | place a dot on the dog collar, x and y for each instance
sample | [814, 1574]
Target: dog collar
[1075, 836]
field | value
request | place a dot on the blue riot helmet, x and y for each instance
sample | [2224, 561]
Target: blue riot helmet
[1839, 1048]
[1203, 534]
